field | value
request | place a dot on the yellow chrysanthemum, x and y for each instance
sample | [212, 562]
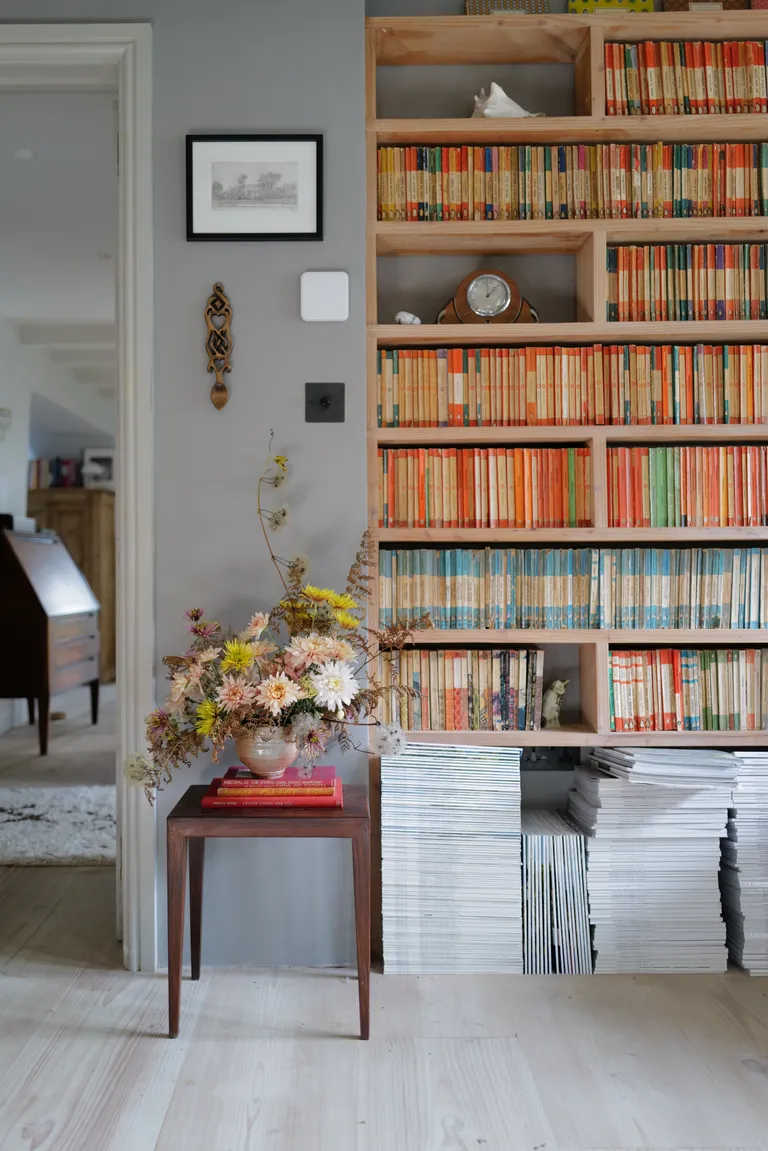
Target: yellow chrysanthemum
[317, 594]
[342, 601]
[282, 462]
[309, 691]
[207, 713]
[346, 620]
[238, 656]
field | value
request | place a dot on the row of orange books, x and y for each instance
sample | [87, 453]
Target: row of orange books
[723, 485]
[297, 787]
[572, 181]
[687, 282]
[689, 689]
[485, 487]
[685, 78]
[592, 385]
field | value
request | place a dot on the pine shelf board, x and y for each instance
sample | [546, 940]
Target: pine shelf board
[630, 537]
[552, 38]
[634, 637]
[578, 735]
[573, 433]
[493, 237]
[744, 739]
[501, 335]
[734, 129]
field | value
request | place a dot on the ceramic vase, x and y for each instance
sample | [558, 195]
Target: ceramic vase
[267, 758]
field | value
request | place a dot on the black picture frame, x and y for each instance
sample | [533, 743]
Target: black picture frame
[315, 138]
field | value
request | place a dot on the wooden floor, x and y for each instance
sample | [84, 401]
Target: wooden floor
[267, 1061]
[79, 754]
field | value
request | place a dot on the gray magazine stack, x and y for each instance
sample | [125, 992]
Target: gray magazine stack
[450, 860]
[744, 871]
[654, 818]
[555, 913]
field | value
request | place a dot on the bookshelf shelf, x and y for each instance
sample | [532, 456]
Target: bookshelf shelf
[500, 335]
[572, 537]
[579, 41]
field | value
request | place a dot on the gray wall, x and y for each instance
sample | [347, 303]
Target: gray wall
[240, 66]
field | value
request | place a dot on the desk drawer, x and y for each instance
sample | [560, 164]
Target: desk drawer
[74, 675]
[69, 626]
[73, 651]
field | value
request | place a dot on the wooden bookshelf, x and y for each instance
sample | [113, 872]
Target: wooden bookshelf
[580, 41]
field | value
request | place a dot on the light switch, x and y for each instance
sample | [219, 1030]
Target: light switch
[324, 296]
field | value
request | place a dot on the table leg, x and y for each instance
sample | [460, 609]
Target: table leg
[176, 864]
[94, 686]
[196, 861]
[361, 872]
[31, 709]
[44, 715]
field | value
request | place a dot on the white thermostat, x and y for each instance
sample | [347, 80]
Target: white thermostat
[324, 296]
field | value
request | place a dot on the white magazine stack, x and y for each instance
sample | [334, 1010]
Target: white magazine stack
[450, 860]
[555, 913]
[744, 872]
[654, 818]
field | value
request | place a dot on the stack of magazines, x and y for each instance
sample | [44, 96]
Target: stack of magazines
[450, 859]
[654, 818]
[744, 870]
[555, 913]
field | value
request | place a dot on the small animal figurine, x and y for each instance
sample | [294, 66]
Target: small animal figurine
[406, 318]
[552, 702]
[497, 105]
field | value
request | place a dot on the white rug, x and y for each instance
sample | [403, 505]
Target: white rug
[57, 825]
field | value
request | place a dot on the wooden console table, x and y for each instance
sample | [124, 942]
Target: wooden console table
[187, 822]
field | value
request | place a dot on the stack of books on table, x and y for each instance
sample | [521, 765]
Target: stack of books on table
[450, 857]
[654, 818]
[744, 866]
[556, 936]
[298, 787]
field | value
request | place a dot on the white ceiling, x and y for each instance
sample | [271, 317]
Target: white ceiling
[58, 210]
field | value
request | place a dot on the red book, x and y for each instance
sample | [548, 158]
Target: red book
[212, 801]
[293, 777]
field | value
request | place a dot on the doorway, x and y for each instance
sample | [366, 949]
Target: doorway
[115, 61]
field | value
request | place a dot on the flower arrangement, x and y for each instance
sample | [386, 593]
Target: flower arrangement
[302, 671]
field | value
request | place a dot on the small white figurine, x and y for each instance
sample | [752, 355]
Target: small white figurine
[552, 701]
[497, 105]
[406, 318]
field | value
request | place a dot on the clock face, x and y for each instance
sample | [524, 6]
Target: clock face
[488, 295]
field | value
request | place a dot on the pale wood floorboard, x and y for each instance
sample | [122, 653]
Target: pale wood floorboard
[267, 1060]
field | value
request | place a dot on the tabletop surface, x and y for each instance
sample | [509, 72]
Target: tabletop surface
[355, 807]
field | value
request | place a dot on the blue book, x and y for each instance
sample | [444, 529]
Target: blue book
[665, 575]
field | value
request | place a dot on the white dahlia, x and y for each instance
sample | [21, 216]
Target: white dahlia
[334, 685]
[277, 692]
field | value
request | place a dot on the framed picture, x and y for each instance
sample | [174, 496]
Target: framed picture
[255, 187]
[98, 470]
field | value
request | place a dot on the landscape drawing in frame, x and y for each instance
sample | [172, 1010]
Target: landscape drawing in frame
[255, 187]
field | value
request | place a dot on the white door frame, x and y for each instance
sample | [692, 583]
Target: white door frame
[118, 57]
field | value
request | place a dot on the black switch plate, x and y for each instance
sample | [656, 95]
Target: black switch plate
[324, 404]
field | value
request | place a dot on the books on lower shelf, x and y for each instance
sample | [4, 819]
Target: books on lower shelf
[688, 689]
[556, 937]
[450, 860]
[571, 181]
[464, 690]
[59, 472]
[593, 385]
[685, 78]
[707, 588]
[485, 487]
[654, 818]
[298, 787]
[723, 485]
[744, 865]
[669, 282]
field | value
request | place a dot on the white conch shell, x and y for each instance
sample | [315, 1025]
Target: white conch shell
[406, 318]
[497, 105]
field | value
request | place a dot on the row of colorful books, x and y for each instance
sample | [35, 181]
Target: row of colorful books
[59, 472]
[297, 787]
[685, 78]
[572, 181]
[463, 690]
[485, 487]
[723, 485]
[708, 588]
[597, 384]
[687, 282]
[689, 689]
